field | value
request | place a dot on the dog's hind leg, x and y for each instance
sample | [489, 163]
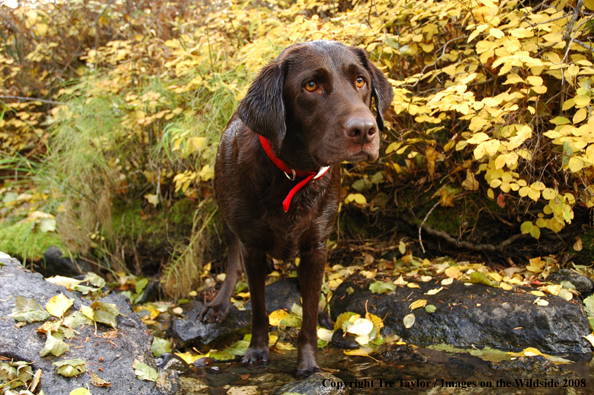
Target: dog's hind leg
[218, 309]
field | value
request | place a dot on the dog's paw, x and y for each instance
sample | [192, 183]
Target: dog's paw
[304, 373]
[255, 355]
[214, 312]
[324, 320]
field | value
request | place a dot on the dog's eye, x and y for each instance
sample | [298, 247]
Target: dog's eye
[311, 86]
[360, 82]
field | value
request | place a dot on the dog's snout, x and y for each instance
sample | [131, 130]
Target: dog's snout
[361, 130]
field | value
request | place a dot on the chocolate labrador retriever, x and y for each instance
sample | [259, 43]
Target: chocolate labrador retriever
[277, 174]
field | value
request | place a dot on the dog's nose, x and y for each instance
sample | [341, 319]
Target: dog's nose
[361, 130]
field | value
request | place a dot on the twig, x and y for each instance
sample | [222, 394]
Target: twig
[475, 247]
[423, 224]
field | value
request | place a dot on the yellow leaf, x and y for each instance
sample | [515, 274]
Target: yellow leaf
[496, 33]
[580, 115]
[506, 286]
[358, 352]
[581, 100]
[537, 293]
[58, 305]
[434, 290]
[453, 272]
[549, 193]
[413, 285]
[355, 197]
[575, 165]
[276, 317]
[534, 80]
[418, 304]
[589, 4]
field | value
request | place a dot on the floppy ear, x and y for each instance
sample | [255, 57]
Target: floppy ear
[262, 109]
[381, 90]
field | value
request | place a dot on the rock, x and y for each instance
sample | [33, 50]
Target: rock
[54, 263]
[170, 361]
[401, 353]
[340, 340]
[107, 353]
[581, 283]
[281, 295]
[536, 366]
[317, 384]
[472, 316]
[190, 332]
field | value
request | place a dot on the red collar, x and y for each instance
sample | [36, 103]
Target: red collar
[307, 175]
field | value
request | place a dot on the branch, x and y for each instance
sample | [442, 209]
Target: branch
[576, 13]
[471, 246]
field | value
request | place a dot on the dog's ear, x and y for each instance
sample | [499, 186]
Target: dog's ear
[381, 90]
[262, 109]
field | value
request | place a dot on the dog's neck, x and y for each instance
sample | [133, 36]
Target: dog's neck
[291, 174]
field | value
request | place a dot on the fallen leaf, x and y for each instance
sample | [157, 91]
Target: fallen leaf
[433, 291]
[409, 320]
[54, 346]
[276, 317]
[144, 371]
[70, 367]
[98, 381]
[418, 304]
[58, 305]
[447, 281]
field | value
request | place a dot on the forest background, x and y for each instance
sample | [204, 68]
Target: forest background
[111, 112]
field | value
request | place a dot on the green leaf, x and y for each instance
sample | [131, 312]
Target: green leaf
[144, 371]
[380, 287]
[71, 367]
[160, 346]
[54, 346]
[480, 278]
[105, 313]
[95, 279]
[27, 310]
[430, 308]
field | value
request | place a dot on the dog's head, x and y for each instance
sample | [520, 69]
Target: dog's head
[314, 103]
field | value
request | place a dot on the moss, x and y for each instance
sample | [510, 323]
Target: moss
[26, 242]
[182, 212]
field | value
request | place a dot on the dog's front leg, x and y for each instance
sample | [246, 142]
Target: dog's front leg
[218, 309]
[311, 273]
[254, 263]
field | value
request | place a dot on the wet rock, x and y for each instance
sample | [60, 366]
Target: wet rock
[191, 332]
[170, 361]
[536, 367]
[401, 353]
[474, 315]
[55, 263]
[194, 386]
[340, 340]
[320, 383]
[107, 353]
[581, 283]
[282, 294]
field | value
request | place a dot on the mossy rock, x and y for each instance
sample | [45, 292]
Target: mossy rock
[26, 241]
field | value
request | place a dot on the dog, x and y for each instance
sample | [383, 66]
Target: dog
[277, 175]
